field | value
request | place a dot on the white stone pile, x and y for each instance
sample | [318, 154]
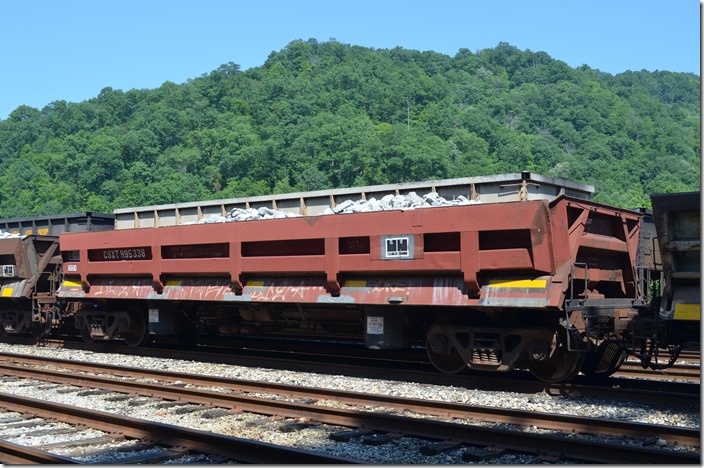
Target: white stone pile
[397, 202]
[10, 235]
[411, 201]
[247, 214]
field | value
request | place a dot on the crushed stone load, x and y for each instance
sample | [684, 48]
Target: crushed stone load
[411, 201]
[10, 235]
[247, 214]
[397, 202]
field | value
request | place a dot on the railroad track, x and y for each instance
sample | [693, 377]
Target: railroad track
[689, 372]
[166, 441]
[446, 434]
[691, 356]
[299, 352]
[642, 385]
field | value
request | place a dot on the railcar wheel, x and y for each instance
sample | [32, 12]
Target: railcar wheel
[42, 328]
[85, 335]
[442, 350]
[558, 363]
[138, 333]
[603, 362]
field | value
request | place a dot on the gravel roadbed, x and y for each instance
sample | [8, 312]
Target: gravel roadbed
[316, 437]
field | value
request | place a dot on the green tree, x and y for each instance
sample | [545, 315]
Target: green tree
[319, 115]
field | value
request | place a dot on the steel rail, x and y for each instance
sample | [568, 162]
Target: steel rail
[14, 454]
[618, 388]
[549, 421]
[413, 426]
[686, 371]
[628, 389]
[199, 441]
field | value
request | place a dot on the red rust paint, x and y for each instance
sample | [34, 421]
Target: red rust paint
[260, 261]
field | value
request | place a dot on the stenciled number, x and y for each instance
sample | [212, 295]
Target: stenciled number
[125, 254]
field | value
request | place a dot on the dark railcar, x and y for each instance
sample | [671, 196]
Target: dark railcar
[672, 321]
[30, 264]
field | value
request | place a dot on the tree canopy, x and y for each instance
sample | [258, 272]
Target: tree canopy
[320, 115]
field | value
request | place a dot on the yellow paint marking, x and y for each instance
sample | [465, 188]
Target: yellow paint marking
[518, 284]
[687, 312]
[43, 231]
[71, 284]
[7, 292]
[173, 283]
[355, 284]
[255, 284]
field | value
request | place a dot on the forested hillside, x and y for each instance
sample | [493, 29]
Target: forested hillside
[319, 115]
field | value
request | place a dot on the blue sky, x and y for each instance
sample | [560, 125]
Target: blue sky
[71, 49]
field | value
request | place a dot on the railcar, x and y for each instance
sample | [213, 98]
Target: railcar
[532, 275]
[489, 286]
[671, 321]
[31, 268]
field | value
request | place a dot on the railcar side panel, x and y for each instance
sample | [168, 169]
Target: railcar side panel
[495, 255]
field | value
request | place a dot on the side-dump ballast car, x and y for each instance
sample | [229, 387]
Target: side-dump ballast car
[529, 274]
[31, 268]
[672, 320]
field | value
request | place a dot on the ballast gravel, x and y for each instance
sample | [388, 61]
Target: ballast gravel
[311, 437]
[410, 201]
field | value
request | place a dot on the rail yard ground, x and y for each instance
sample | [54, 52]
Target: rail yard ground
[317, 437]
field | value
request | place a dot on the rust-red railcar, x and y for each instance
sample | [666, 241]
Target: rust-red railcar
[543, 285]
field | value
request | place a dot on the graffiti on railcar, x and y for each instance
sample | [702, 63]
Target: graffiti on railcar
[121, 288]
[390, 286]
[282, 291]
